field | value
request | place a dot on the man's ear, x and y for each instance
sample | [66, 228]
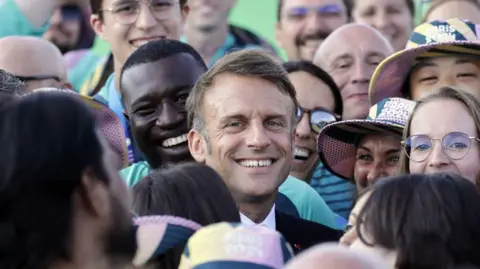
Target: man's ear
[94, 194]
[97, 25]
[197, 145]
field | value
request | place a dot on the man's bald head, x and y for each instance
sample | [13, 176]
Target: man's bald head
[332, 256]
[350, 55]
[351, 33]
[32, 57]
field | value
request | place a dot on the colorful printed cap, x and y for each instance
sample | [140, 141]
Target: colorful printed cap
[454, 37]
[236, 246]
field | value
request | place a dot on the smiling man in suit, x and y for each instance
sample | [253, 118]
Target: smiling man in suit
[242, 114]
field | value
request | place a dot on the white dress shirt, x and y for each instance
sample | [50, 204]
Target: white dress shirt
[268, 222]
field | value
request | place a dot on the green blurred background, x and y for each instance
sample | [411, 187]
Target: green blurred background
[258, 16]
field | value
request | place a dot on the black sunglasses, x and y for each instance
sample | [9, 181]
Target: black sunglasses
[319, 117]
[39, 77]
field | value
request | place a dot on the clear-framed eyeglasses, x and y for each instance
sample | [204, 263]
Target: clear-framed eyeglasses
[455, 145]
[126, 11]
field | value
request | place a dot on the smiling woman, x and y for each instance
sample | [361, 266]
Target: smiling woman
[362, 151]
[393, 18]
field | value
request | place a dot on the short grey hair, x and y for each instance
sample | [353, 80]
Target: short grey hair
[248, 63]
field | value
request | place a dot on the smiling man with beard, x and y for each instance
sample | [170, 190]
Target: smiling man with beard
[304, 24]
[155, 83]
[62, 202]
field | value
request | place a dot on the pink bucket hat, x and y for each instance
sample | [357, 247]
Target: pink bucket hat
[431, 39]
[108, 123]
[337, 142]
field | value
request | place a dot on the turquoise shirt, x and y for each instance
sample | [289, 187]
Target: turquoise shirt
[15, 23]
[228, 46]
[337, 192]
[309, 204]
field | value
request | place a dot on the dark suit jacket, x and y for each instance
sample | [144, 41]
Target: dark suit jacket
[302, 234]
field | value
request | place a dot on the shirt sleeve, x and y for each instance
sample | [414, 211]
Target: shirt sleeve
[16, 22]
[310, 204]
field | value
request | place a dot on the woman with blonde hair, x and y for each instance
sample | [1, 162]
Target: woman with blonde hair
[443, 135]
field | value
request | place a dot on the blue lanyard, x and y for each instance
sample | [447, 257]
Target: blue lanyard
[115, 104]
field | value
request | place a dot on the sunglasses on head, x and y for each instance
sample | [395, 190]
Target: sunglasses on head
[318, 117]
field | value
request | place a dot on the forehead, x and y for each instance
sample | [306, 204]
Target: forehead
[379, 141]
[433, 119]
[447, 60]
[366, 40]
[176, 71]
[292, 3]
[309, 88]
[232, 94]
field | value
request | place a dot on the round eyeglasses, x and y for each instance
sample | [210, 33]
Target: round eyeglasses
[126, 11]
[455, 146]
[319, 117]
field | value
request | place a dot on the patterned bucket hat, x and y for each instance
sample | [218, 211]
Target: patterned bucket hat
[156, 235]
[234, 245]
[432, 39]
[108, 123]
[337, 141]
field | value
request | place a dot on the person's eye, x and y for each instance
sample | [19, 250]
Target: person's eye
[393, 159]
[428, 79]
[470, 75]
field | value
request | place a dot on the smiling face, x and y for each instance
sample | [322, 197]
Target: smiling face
[352, 67]
[433, 120]
[377, 156]
[435, 73]
[311, 93]
[154, 96]
[391, 17]
[248, 128]
[126, 38]
[305, 24]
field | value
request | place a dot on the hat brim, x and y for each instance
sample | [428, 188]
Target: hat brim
[336, 143]
[110, 126]
[390, 75]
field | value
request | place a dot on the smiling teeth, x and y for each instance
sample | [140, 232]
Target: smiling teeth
[174, 141]
[256, 163]
[301, 152]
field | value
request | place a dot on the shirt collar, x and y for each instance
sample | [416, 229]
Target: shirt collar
[268, 222]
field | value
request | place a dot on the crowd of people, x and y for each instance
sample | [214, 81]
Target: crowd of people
[192, 143]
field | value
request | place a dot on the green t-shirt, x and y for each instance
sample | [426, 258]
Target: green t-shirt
[15, 23]
[308, 202]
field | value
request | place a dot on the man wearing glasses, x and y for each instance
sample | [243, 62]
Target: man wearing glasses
[304, 24]
[126, 25]
[36, 62]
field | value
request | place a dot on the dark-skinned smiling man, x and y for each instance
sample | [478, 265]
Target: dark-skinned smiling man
[155, 83]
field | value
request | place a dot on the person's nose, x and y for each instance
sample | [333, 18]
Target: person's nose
[377, 171]
[145, 19]
[313, 23]
[437, 157]
[362, 74]
[56, 18]
[381, 21]
[448, 80]
[303, 130]
[169, 117]
[257, 137]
